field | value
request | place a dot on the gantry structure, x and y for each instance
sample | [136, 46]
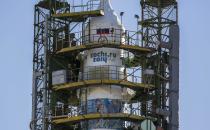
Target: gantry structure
[153, 63]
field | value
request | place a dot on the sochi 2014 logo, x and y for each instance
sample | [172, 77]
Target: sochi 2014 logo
[103, 56]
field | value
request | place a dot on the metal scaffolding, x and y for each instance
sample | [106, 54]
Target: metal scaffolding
[158, 18]
[60, 39]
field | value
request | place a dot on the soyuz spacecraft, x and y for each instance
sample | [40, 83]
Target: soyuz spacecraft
[105, 98]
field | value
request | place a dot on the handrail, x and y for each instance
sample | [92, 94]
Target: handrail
[92, 107]
[91, 5]
[115, 36]
[103, 72]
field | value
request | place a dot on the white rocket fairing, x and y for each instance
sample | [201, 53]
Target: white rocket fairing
[104, 63]
[105, 58]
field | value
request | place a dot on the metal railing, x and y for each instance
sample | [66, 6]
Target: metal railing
[86, 5]
[102, 106]
[91, 37]
[105, 106]
[105, 72]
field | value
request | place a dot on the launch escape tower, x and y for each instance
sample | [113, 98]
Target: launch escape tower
[90, 73]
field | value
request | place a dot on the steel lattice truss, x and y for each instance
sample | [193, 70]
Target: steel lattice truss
[157, 18]
[156, 22]
[44, 27]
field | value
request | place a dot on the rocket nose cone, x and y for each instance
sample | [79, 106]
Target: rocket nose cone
[106, 5]
[109, 23]
[109, 20]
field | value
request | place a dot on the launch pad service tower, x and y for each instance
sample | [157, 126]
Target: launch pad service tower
[90, 73]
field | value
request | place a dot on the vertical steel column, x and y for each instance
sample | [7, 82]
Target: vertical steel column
[34, 103]
[38, 72]
[45, 84]
[34, 89]
[174, 78]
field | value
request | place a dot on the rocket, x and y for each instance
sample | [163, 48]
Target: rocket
[104, 63]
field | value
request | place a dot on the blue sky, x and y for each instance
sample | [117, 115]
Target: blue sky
[16, 38]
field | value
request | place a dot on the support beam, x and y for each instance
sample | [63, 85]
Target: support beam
[174, 79]
[34, 102]
[45, 84]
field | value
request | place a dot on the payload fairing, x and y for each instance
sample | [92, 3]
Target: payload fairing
[108, 62]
